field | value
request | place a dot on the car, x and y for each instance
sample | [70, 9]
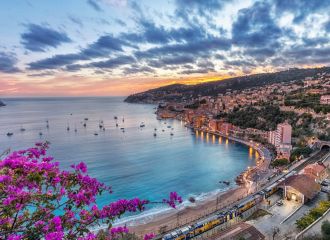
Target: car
[325, 189]
[324, 184]
[279, 202]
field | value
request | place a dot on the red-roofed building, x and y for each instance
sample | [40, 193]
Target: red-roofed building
[318, 171]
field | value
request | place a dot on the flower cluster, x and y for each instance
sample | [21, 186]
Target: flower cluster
[39, 200]
[115, 231]
[174, 198]
[149, 236]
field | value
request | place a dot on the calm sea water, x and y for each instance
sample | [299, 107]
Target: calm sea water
[134, 162]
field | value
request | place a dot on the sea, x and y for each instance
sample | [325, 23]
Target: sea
[134, 161]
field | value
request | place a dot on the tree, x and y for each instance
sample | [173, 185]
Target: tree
[280, 162]
[40, 201]
[300, 151]
[325, 228]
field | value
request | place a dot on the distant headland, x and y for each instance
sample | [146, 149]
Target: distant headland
[181, 92]
[2, 104]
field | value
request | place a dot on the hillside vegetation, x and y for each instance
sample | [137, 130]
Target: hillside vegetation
[181, 91]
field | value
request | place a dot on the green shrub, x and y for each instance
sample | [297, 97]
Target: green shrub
[280, 162]
[313, 215]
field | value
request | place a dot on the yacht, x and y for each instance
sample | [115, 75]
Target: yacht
[142, 125]
[10, 134]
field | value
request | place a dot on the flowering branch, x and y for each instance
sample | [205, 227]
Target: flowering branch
[38, 200]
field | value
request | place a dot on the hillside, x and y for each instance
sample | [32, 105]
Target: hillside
[177, 92]
[2, 104]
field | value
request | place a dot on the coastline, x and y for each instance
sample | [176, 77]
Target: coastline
[168, 221]
[190, 214]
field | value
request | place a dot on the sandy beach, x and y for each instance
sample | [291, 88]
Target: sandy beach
[187, 215]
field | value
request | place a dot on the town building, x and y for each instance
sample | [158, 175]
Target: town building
[317, 171]
[284, 151]
[281, 139]
[325, 99]
[226, 128]
[283, 134]
[300, 188]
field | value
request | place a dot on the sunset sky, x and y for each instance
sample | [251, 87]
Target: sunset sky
[118, 47]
